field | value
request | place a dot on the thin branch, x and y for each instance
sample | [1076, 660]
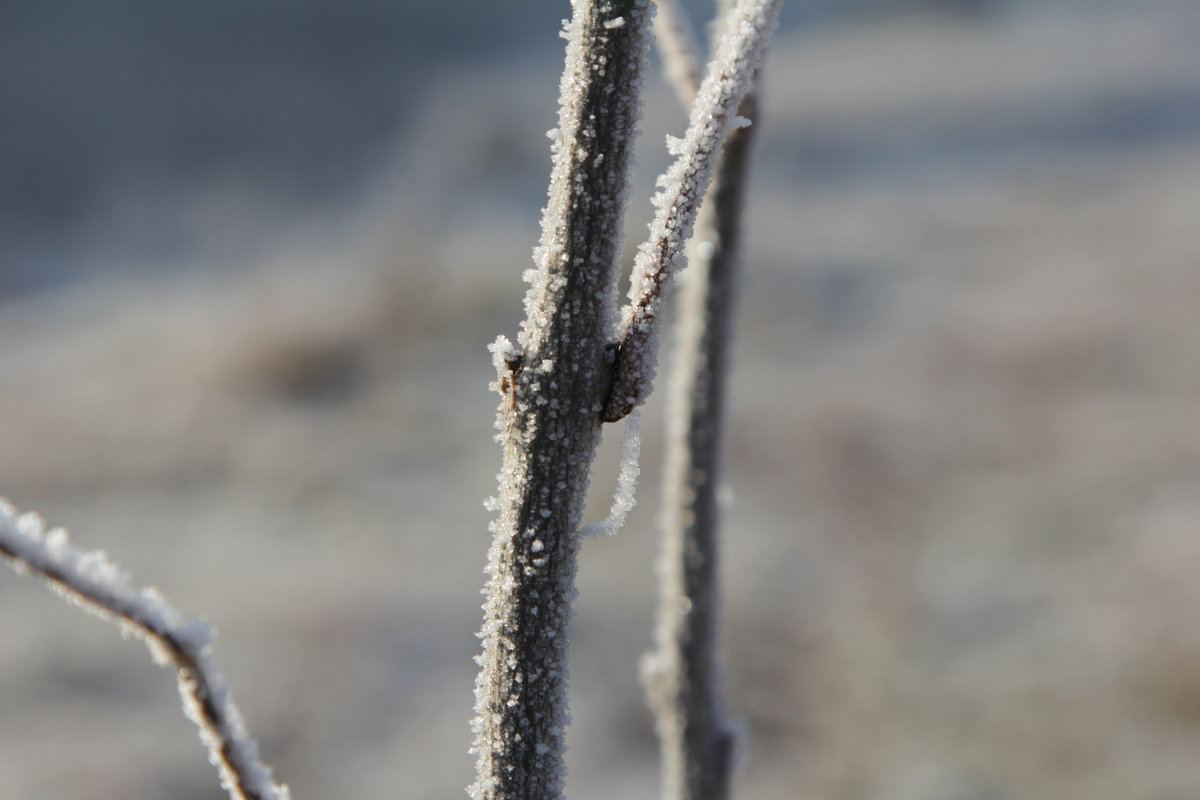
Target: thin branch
[726, 81]
[683, 672]
[628, 471]
[679, 49]
[95, 583]
[554, 387]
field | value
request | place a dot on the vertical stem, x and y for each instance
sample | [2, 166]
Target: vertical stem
[727, 80]
[683, 673]
[554, 387]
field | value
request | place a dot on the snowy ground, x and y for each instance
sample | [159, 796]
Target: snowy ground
[964, 456]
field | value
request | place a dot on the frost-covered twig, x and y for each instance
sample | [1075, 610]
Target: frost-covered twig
[727, 79]
[679, 50]
[683, 673]
[92, 581]
[554, 388]
[625, 495]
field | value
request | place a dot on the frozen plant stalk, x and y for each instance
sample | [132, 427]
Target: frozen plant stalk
[682, 674]
[745, 32]
[554, 387]
[564, 378]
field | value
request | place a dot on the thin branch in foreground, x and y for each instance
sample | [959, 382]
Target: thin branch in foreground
[554, 384]
[95, 583]
[727, 80]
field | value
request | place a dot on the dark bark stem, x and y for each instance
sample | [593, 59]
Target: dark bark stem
[554, 386]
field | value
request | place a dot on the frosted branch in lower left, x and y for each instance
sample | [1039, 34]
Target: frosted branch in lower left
[89, 579]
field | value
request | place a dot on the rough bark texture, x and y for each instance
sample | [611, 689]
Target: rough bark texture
[554, 386]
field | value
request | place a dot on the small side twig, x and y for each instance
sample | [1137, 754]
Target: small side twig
[726, 81]
[95, 583]
[554, 382]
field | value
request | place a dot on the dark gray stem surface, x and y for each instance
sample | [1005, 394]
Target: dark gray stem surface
[555, 385]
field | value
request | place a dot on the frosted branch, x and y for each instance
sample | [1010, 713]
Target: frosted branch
[679, 49]
[727, 79]
[95, 583]
[554, 383]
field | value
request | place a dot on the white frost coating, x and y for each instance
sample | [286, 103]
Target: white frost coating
[726, 81]
[92, 581]
[625, 495]
[502, 351]
[554, 383]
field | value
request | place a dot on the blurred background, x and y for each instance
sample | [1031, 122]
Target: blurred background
[251, 252]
